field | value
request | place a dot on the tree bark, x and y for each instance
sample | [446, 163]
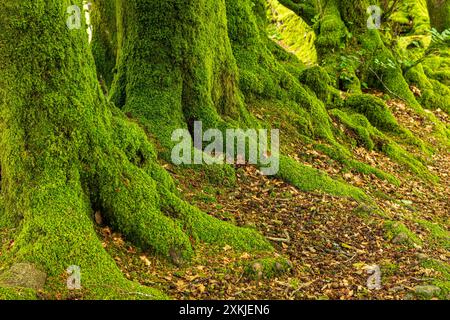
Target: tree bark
[66, 151]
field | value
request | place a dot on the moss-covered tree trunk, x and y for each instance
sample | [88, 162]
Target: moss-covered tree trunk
[66, 151]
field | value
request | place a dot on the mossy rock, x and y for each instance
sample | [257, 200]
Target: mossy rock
[267, 268]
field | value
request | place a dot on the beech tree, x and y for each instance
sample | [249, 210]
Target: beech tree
[84, 126]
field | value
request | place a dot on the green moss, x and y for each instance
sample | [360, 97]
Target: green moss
[438, 67]
[396, 153]
[210, 230]
[104, 42]
[17, 294]
[413, 14]
[292, 32]
[375, 110]
[65, 151]
[438, 235]
[434, 94]
[399, 233]
[389, 268]
[333, 32]
[371, 138]
[359, 124]
[267, 268]
[309, 179]
[443, 279]
[337, 153]
[317, 79]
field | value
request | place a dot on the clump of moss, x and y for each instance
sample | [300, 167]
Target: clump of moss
[443, 279]
[438, 235]
[318, 80]
[373, 139]
[335, 152]
[333, 31]
[389, 268]
[359, 124]
[375, 110]
[434, 94]
[398, 233]
[267, 268]
[413, 15]
[309, 179]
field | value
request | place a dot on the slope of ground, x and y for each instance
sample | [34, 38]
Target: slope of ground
[329, 240]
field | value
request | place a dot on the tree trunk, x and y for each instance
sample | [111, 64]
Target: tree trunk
[66, 151]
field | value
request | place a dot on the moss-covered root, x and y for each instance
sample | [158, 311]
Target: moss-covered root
[138, 198]
[130, 200]
[309, 179]
[208, 229]
[57, 232]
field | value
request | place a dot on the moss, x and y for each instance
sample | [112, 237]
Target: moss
[210, 230]
[104, 42]
[335, 152]
[438, 236]
[443, 279]
[17, 294]
[267, 268]
[333, 32]
[438, 67]
[372, 139]
[434, 94]
[396, 153]
[389, 268]
[414, 15]
[66, 151]
[290, 30]
[359, 124]
[317, 79]
[375, 110]
[399, 233]
[439, 14]
[309, 179]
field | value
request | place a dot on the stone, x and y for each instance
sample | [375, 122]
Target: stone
[24, 275]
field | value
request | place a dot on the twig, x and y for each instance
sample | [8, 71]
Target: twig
[351, 258]
[285, 240]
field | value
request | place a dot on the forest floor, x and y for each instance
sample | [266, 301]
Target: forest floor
[329, 240]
